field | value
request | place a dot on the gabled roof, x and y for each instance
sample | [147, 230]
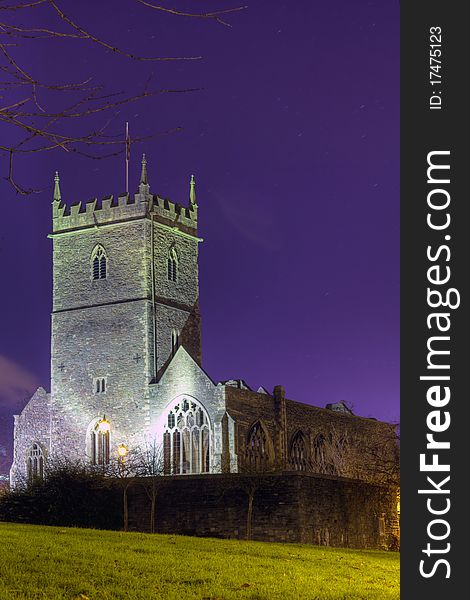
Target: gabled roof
[39, 398]
[182, 361]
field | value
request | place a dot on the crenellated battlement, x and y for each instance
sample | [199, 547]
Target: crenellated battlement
[110, 209]
[174, 213]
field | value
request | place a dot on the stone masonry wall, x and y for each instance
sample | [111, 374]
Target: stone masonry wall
[127, 268]
[368, 444]
[288, 507]
[32, 426]
[185, 290]
[246, 407]
[110, 342]
[101, 328]
[177, 305]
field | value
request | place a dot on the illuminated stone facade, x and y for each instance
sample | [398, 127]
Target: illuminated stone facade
[126, 352]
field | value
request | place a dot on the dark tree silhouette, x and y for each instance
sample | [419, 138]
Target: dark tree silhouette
[150, 468]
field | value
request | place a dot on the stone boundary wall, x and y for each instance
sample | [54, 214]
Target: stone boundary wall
[287, 507]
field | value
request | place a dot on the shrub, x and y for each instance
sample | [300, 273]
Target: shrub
[69, 496]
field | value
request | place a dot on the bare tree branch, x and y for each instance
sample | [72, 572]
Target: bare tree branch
[86, 34]
[18, 6]
[216, 15]
[28, 102]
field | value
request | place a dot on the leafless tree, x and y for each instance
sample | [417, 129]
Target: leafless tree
[250, 481]
[381, 456]
[142, 465]
[150, 468]
[371, 456]
[30, 125]
[123, 469]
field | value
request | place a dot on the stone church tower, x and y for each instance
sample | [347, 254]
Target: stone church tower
[125, 296]
[125, 300]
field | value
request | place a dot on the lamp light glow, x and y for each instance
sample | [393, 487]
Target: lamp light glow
[122, 450]
[104, 425]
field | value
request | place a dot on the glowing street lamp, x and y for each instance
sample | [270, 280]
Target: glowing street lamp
[122, 451]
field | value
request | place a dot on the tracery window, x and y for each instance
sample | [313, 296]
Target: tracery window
[325, 455]
[259, 448]
[99, 266]
[298, 452]
[99, 442]
[186, 439]
[35, 463]
[172, 264]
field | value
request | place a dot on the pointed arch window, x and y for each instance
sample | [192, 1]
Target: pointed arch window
[99, 442]
[172, 265]
[298, 452]
[186, 439]
[99, 263]
[324, 455]
[35, 463]
[259, 453]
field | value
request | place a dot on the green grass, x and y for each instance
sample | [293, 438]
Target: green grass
[79, 564]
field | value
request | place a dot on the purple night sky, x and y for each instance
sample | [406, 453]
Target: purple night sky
[294, 142]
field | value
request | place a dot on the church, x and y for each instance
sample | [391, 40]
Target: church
[126, 362]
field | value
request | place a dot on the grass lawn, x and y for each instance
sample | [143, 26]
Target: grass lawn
[80, 564]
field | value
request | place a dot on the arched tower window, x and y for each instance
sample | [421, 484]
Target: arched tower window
[99, 442]
[35, 463]
[298, 452]
[259, 453]
[186, 438]
[99, 260]
[172, 264]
